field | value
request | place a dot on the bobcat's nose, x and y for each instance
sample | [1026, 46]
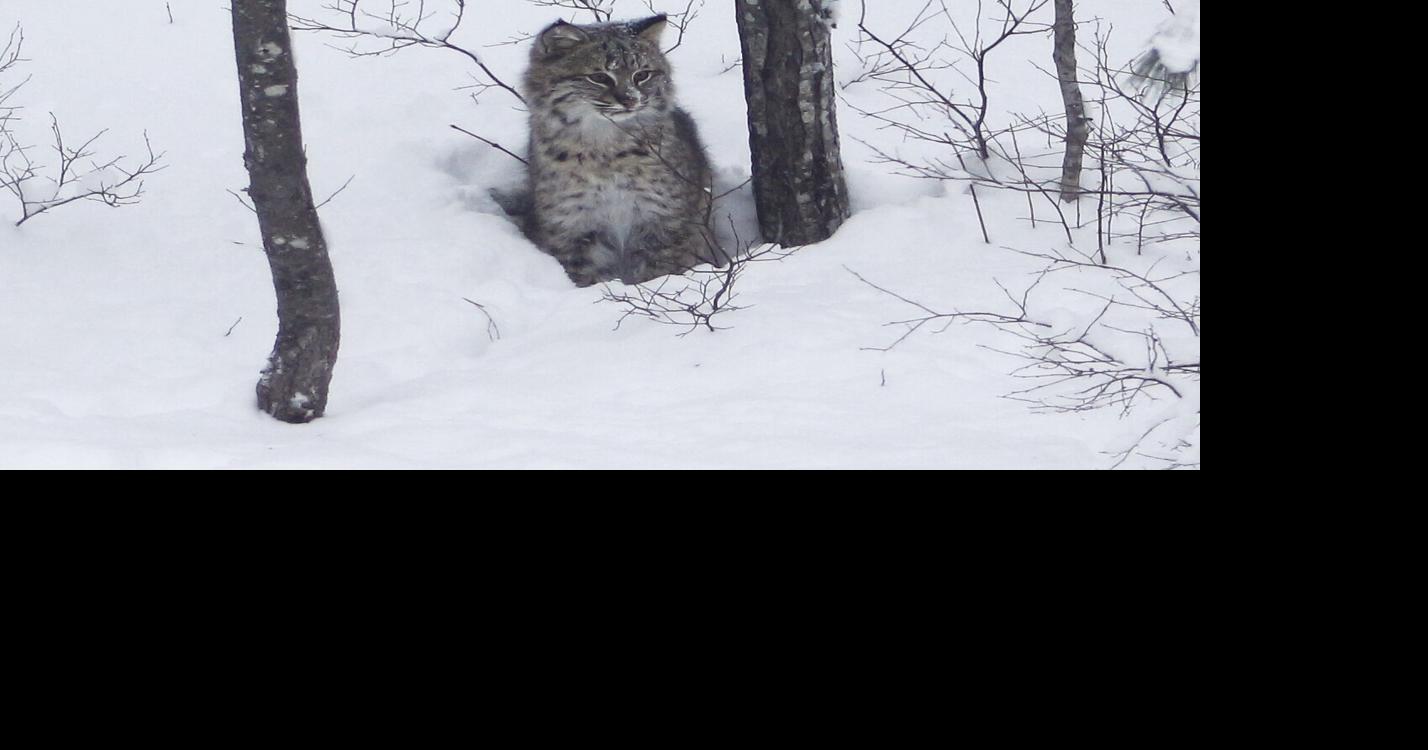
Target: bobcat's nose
[628, 101]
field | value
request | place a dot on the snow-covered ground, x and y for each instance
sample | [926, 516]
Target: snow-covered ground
[132, 338]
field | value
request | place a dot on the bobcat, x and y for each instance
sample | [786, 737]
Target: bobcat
[619, 181]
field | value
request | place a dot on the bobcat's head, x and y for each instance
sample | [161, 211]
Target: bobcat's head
[611, 71]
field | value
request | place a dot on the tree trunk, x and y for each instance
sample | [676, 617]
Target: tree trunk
[1077, 127]
[793, 123]
[293, 386]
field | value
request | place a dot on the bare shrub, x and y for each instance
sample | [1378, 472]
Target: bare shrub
[1137, 349]
[694, 299]
[74, 173]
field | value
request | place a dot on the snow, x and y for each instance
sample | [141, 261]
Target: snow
[1177, 41]
[133, 338]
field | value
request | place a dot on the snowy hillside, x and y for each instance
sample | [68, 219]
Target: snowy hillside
[132, 337]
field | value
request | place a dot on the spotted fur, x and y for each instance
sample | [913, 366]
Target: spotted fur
[620, 184]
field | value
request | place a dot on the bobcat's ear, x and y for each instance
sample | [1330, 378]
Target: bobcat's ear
[651, 29]
[559, 38]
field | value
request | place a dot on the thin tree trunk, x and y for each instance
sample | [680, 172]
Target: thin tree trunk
[799, 184]
[293, 386]
[1077, 128]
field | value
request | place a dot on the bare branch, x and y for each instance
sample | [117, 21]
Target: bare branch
[399, 27]
[75, 176]
[492, 144]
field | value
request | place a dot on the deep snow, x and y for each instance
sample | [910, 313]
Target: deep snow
[115, 341]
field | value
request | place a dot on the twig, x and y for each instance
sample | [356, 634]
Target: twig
[493, 331]
[337, 192]
[492, 144]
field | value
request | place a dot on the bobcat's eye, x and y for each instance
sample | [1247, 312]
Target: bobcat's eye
[643, 77]
[601, 79]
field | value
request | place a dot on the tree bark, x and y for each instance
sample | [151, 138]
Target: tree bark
[799, 184]
[293, 387]
[1077, 127]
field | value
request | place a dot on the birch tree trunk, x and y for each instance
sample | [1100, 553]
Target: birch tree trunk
[799, 185]
[293, 386]
[1077, 128]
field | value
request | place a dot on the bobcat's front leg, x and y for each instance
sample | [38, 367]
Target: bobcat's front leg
[664, 254]
[576, 253]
